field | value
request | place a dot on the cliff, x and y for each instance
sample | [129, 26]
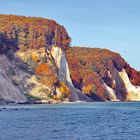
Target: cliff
[102, 74]
[35, 62]
[37, 65]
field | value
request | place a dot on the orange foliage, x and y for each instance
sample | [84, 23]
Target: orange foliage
[30, 32]
[47, 76]
[42, 69]
[90, 66]
[55, 97]
[35, 58]
[87, 89]
[64, 89]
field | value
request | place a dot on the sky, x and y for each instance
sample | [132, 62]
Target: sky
[111, 24]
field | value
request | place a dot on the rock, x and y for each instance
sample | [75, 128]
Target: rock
[10, 93]
[64, 75]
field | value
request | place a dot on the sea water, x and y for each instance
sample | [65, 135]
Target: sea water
[82, 121]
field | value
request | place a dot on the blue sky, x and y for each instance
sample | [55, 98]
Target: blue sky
[111, 24]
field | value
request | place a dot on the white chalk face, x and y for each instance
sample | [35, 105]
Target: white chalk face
[64, 75]
[8, 91]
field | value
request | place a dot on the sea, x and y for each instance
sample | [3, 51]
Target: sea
[73, 121]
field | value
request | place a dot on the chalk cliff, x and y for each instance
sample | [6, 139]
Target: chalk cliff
[103, 75]
[38, 65]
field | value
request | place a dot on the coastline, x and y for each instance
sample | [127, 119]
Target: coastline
[65, 103]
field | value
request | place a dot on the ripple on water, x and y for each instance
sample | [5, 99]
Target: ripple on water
[91, 121]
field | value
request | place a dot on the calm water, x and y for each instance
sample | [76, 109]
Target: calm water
[90, 121]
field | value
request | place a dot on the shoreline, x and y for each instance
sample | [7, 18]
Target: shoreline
[59, 103]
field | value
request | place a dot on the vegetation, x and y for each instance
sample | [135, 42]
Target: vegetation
[19, 32]
[64, 89]
[89, 68]
[34, 37]
[45, 75]
[64, 92]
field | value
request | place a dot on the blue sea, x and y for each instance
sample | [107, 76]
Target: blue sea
[81, 121]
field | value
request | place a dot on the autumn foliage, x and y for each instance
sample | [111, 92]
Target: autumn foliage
[20, 32]
[42, 69]
[64, 89]
[46, 75]
[89, 69]
[64, 92]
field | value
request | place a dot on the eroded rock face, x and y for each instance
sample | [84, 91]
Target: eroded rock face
[8, 91]
[64, 75]
[123, 88]
[110, 93]
[133, 92]
[15, 82]
[60, 60]
[103, 74]
[39, 62]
